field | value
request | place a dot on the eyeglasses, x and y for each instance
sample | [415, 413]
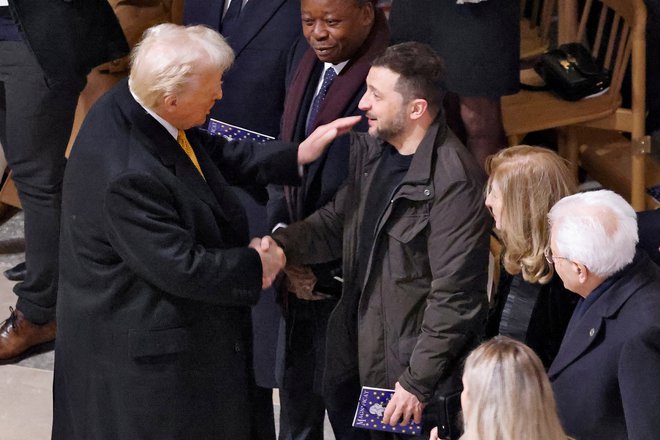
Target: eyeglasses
[550, 258]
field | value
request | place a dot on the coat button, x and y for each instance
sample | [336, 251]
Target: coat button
[592, 332]
[427, 192]
[237, 347]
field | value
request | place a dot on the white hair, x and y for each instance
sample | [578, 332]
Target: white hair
[597, 229]
[169, 56]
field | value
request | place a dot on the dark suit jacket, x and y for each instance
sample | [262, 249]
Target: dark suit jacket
[153, 307]
[600, 393]
[325, 175]
[70, 37]
[254, 86]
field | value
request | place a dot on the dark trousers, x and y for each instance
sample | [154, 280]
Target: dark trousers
[36, 116]
[303, 408]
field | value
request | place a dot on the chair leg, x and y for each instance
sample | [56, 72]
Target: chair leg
[515, 139]
[637, 184]
[568, 148]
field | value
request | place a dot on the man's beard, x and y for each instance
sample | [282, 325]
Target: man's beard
[392, 130]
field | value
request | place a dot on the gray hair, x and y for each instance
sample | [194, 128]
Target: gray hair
[597, 229]
[169, 55]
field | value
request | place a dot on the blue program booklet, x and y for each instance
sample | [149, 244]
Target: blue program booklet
[370, 410]
[235, 133]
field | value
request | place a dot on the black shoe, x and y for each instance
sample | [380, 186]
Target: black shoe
[16, 273]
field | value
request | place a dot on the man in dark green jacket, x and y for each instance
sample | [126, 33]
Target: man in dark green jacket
[412, 229]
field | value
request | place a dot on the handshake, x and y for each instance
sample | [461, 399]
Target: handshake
[272, 258]
[300, 280]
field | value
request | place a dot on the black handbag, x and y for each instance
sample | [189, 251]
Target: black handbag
[444, 408]
[571, 72]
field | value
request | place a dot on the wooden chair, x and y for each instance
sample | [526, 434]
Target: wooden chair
[620, 34]
[535, 27]
[8, 193]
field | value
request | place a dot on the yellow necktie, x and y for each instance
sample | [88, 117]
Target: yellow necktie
[183, 141]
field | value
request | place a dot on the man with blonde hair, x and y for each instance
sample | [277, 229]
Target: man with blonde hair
[153, 318]
[600, 393]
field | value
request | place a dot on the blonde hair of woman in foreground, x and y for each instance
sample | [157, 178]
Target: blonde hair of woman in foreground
[507, 395]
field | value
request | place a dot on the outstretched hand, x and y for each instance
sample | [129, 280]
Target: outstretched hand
[311, 148]
[272, 259]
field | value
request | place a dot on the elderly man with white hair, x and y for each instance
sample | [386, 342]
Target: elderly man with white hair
[157, 271]
[606, 382]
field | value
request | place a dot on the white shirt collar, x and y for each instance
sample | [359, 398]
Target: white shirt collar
[171, 129]
[338, 67]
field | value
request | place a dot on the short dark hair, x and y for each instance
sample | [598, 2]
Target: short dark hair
[421, 70]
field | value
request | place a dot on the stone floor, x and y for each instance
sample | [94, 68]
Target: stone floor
[26, 386]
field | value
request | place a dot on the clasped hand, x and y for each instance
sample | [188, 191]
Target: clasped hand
[272, 258]
[300, 280]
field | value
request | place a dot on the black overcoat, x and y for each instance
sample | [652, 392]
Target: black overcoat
[156, 281]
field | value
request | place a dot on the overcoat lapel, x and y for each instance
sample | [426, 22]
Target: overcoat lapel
[225, 202]
[582, 332]
[578, 339]
[150, 138]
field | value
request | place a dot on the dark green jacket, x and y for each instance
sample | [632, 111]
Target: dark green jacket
[423, 301]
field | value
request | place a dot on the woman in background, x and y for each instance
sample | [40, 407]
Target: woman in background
[507, 395]
[531, 304]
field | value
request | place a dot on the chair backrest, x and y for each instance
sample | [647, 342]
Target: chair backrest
[535, 27]
[614, 30]
[620, 33]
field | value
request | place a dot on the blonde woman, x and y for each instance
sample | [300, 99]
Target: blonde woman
[531, 304]
[507, 395]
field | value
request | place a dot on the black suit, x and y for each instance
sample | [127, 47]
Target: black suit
[254, 86]
[154, 319]
[41, 78]
[302, 347]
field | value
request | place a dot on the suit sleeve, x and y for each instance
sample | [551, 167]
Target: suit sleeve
[145, 229]
[249, 162]
[456, 304]
[639, 383]
[318, 238]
